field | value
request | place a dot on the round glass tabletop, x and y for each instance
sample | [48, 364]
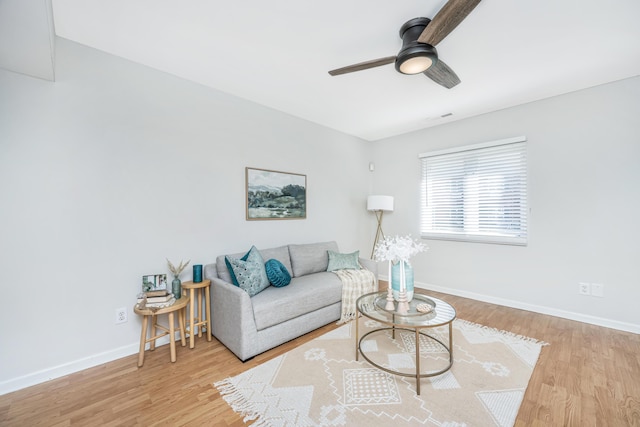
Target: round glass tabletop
[373, 306]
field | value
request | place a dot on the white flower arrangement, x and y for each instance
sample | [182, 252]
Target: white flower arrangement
[398, 248]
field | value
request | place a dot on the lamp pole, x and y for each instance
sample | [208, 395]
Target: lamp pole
[379, 231]
[377, 205]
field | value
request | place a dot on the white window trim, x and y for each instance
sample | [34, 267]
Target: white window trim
[465, 237]
[473, 146]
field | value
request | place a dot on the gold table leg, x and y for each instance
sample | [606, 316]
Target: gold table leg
[418, 361]
[357, 342]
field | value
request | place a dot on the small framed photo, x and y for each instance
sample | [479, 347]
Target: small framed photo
[275, 195]
[154, 282]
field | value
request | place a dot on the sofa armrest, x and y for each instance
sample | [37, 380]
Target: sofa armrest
[210, 271]
[369, 264]
[372, 266]
[232, 317]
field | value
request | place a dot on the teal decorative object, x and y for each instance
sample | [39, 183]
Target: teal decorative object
[395, 280]
[227, 261]
[197, 273]
[398, 250]
[249, 274]
[176, 284]
[277, 273]
[176, 288]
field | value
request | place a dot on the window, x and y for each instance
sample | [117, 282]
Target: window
[476, 193]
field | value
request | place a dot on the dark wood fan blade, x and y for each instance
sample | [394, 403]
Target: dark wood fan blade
[446, 20]
[442, 74]
[363, 65]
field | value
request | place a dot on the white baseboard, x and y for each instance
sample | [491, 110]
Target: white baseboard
[72, 367]
[585, 318]
[108, 356]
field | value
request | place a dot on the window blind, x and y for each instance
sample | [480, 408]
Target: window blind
[476, 193]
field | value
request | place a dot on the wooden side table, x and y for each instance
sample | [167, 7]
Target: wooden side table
[204, 308]
[146, 313]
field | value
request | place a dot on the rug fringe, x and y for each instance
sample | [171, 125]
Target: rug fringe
[503, 332]
[346, 318]
[238, 402]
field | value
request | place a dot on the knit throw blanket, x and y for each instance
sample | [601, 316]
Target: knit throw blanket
[355, 283]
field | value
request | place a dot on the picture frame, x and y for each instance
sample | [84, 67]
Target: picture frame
[275, 195]
[154, 282]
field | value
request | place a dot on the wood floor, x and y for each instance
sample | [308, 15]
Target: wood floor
[587, 376]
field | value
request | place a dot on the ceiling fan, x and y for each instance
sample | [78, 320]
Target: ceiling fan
[419, 38]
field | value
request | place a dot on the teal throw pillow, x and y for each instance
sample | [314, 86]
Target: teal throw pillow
[248, 272]
[338, 261]
[230, 268]
[277, 273]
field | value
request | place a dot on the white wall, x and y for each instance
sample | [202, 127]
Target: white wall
[584, 170]
[114, 167]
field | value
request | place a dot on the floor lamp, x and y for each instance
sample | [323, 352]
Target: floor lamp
[379, 204]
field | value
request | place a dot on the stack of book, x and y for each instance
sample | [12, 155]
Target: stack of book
[156, 298]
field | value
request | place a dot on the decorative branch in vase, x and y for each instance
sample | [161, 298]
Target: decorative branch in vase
[398, 249]
[176, 284]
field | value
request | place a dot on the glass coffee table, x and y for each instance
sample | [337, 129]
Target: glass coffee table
[439, 313]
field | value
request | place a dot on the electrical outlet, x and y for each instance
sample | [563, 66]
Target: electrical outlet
[121, 315]
[597, 290]
[584, 288]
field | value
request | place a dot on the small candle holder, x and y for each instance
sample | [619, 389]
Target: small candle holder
[403, 304]
[390, 305]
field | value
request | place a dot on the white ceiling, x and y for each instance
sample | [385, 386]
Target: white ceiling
[277, 53]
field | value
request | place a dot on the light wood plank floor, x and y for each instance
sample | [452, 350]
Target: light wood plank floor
[587, 376]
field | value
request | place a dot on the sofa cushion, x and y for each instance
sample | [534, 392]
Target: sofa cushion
[280, 253]
[277, 273]
[304, 295]
[338, 261]
[310, 258]
[248, 272]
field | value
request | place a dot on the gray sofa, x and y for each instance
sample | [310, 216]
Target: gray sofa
[251, 325]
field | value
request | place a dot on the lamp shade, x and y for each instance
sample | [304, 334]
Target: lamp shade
[380, 203]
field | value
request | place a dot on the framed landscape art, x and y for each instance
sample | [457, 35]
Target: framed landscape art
[275, 195]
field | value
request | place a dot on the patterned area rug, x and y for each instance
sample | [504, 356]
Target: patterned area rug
[321, 384]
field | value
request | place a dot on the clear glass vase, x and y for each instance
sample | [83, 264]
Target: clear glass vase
[176, 288]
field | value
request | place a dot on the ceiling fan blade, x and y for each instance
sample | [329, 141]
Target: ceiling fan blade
[363, 65]
[442, 74]
[446, 20]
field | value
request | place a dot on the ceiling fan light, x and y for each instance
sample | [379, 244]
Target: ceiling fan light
[415, 57]
[415, 65]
